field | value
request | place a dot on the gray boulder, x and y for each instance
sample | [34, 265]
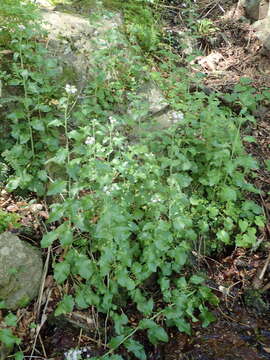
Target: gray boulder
[262, 28]
[20, 271]
[256, 9]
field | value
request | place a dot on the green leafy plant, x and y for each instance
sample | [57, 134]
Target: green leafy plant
[130, 214]
[7, 338]
[8, 221]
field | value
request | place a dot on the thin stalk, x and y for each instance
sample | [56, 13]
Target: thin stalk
[26, 104]
[133, 332]
[67, 142]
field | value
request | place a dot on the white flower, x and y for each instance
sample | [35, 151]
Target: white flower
[112, 120]
[90, 140]
[109, 189]
[70, 89]
[155, 199]
[177, 116]
[21, 27]
[76, 354]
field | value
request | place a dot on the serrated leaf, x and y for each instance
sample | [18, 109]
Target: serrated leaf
[61, 271]
[119, 321]
[136, 348]
[66, 238]
[57, 187]
[146, 307]
[206, 316]
[223, 236]
[127, 282]
[243, 224]
[37, 124]
[65, 306]
[157, 334]
[116, 341]
[59, 157]
[183, 326]
[10, 320]
[228, 194]
[147, 324]
[48, 239]
[84, 268]
[7, 338]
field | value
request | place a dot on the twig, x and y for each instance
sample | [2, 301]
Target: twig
[265, 267]
[42, 345]
[45, 271]
[42, 322]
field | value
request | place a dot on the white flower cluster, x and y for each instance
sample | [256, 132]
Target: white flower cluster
[177, 116]
[90, 140]
[21, 27]
[112, 120]
[77, 354]
[70, 89]
[156, 198]
[109, 189]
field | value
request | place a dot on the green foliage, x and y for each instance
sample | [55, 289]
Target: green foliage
[130, 213]
[8, 221]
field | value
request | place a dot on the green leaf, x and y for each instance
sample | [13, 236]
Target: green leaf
[48, 239]
[206, 316]
[61, 271]
[223, 236]
[136, 348]
[156, 334]
[228, 194]
[59, 157]
[250, 139]
[119, 321]
[55, 122]
[116, 341]
[8, 339]
[57, 187]
[147, 324]
[195, 279]
[85, 268]
[2, 304]
[65, 306]
[183, 325]
[38, 125]
[243, 224]
[19, 355]
[267, 163]
[146, 307]
[10, 320]
[66, 237]
[126, 281]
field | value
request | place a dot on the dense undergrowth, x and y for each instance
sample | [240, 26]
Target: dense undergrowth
[129, 215]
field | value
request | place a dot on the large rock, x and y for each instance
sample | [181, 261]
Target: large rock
[87, 46]
[262, 28]
[20, 271]
[256, 9]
